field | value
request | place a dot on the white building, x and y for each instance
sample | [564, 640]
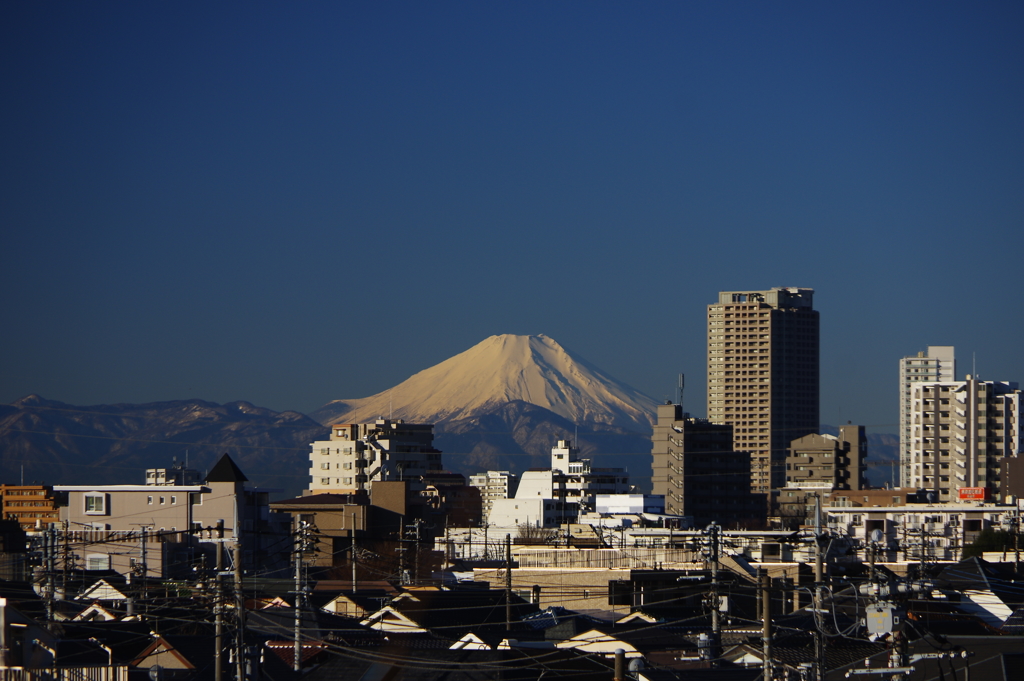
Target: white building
[936, 365]
[360, 453]
[571, 479]
[494, 485]
[917, 532]
[960, 432]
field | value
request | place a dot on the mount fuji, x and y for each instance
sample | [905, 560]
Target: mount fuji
[505, 401]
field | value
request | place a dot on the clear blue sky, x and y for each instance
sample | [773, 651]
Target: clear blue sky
[289, 203]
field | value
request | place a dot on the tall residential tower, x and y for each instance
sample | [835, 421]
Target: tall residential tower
[936, 365]
[763, 374]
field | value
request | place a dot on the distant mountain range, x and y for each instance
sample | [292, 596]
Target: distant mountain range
[499, 405]
[56, 443]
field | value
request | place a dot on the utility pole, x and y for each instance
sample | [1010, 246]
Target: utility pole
[49, 547]
[1016, 544]
[353, 556]
[300, 546]
[218, 622]
[819, 601]
[508, 582]
[66, 561]
[716, 615]
[239, 611]
[145, 568]
[766, 625]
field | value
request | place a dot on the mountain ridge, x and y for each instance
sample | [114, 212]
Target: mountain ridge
[501, 369]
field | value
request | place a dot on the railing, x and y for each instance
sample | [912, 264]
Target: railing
[116, 673]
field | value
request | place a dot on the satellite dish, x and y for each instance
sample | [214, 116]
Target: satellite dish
[930, 497]
[156, 672]
[876, 536]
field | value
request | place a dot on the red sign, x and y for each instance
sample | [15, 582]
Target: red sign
[974, 493]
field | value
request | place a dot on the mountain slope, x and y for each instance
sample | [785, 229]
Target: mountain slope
[59, 443]
[501, 369]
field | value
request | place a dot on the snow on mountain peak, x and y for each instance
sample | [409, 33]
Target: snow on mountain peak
[500, 369]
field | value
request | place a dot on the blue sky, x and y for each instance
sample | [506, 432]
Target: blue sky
[289, 203]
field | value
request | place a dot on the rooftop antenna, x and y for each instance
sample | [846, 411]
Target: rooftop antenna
[682, 384]
[974, 365]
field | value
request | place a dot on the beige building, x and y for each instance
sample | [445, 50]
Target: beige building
[960, 433]
[359, 454]
[829, 461]
[763, 374]
[166, 530]
[936, 365]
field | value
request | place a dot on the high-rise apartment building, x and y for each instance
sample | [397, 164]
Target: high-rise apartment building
[937, 364]
[960, 434]
[699, 474]
[359, 454]
[763, 374]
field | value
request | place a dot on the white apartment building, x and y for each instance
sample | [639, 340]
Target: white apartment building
[555, 495]
[361, 453]
[494, 485]
[936, 365]
[960, 432]
[916, 532]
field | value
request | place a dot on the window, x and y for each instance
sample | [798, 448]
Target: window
[95, 503]
[149, 500]
[174, 500]
[97, 561]
[348, 481]
[325, 466]
[325, 481]
[161, 501]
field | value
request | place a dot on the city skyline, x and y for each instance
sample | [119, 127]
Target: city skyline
[291, 205]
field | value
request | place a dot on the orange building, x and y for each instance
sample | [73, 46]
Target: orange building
[33, 506]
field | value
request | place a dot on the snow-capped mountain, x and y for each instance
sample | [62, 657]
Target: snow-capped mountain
[502, 369]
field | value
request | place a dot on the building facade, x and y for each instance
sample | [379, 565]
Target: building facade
[359, 454]
[937, 364]
[763, 374]
[494, 485]
[33, 506]
[699, 473]
[169, 530]
[961, 431]
[829, 461]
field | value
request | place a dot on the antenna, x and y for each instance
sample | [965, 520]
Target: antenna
[682, 384]
[974, 364]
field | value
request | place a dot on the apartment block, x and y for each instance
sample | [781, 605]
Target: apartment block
[359, 454]
[699, 473]
[961, 432]
[33, 506]
[167, 530]
[494, 485]
[829, 461]
[763, 374]
[936, 365]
